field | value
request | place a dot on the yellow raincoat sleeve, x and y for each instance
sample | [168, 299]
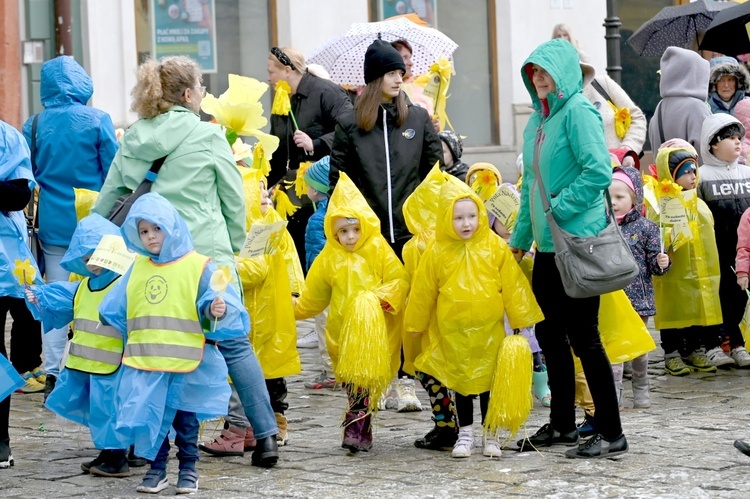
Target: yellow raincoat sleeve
[293, 265]
[423, 296]
[518, 299]
[252, 271]
[395, 285]
[317, 293]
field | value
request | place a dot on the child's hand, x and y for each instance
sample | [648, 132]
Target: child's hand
[662, 260]
[517, 253]
[218, 307]
[294, 301]
[386, 306]
[31, 296]
[742, 282]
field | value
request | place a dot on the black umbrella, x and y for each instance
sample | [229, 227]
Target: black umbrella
[728, 33]
[675, 26]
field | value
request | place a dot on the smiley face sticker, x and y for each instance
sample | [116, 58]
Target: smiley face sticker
[156, 289]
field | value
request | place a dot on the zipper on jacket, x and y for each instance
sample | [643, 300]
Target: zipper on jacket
[537, 151]
[388, 176]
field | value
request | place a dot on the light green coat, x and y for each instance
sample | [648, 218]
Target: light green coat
[199, 178]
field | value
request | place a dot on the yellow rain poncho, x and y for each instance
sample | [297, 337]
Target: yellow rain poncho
[688, 295]
[268, 282]
[420, 214]
[465, 287]
[337, 273]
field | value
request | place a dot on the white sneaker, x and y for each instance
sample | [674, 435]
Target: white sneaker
[309, 340]
[717, 357]
[465, 443]
[491, 448]
[405, 396]
[740, 356]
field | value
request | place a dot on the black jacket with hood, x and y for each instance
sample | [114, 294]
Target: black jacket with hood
[386, 179]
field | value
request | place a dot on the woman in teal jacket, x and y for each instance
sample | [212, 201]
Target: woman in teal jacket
[565, 132]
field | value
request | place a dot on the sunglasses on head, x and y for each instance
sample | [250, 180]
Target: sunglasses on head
[282, 57]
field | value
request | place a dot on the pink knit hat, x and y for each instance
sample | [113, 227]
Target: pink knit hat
[622, 177]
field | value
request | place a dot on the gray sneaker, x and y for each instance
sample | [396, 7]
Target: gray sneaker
[740, 356]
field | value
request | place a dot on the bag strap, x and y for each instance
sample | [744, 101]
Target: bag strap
[661, 126]
[601, 90]
[30, 212]
[543, 191]
[153, 172]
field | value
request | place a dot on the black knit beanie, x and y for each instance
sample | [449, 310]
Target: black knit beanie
[380, 59]
[730, 130]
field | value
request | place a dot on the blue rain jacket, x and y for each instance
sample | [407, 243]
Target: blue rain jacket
[147, 401]
[75, 146]
[14, 240]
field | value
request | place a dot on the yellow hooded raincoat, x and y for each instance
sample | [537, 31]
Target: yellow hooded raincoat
[420, 214]
[337, 273]
[688, 295]
[268, 282]
[466, 286]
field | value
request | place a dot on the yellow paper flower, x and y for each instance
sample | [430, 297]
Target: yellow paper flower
[24, 272]
[300, 186]
[239, 110]
[221, 278]
[436, 84]
[283, 204]
[622, 119]
[282, 103]
[260, 160]
[485, 184]
[241, 150]
[667, 188]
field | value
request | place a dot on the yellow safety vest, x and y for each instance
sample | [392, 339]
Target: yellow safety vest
[164, 329]
[95, 348]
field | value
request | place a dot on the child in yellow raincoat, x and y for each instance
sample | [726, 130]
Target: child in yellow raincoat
[269, 283]
[688, 311]
[355, 258]
[467, 280]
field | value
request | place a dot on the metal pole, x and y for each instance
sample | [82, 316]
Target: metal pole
[612, 35]
[63, 28]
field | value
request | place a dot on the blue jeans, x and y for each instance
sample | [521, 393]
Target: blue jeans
[250, 384]
[53, 342]
[186, 428]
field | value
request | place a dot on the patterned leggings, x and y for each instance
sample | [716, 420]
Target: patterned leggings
[443, 411]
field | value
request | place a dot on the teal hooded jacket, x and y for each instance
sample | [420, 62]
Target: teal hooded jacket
[573, 158]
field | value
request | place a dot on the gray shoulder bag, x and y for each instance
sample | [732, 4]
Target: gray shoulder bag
[593, 265]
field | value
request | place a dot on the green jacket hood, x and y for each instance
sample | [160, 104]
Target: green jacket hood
[560, 59]
[151, 139]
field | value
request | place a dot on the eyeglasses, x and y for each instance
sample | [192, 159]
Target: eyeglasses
[282, 57]
[202, 91]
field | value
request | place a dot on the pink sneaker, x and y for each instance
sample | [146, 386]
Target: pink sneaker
[230, 442]
[249, 439]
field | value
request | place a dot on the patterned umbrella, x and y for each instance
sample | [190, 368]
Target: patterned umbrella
[344, 57]
[675, 26]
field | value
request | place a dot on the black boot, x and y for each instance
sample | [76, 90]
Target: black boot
[266, 453]
[49, 385]
[100, 459]
[116, 465]
[439, 438]
[6, 458]
[135, 461]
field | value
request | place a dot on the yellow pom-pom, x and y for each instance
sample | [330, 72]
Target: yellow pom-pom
[510, 395]
[283, 204]
[300, 186]
[365, 354]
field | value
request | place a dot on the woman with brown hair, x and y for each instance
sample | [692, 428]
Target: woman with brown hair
[200, 179]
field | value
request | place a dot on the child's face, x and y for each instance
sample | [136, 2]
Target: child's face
[347, 233]
[265, 201]
[687, 180]
[152, 236]
[94, 269]
[728, 149]
[622, 199]
[447, 154]
[314, 195]
[465, 218]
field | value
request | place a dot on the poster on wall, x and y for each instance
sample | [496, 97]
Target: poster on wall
[425, 9]
[185, 27]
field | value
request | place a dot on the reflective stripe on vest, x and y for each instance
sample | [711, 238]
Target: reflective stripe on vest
[95, 348]
[164, 330]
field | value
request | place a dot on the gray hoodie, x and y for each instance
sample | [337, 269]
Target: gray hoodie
[684, 90]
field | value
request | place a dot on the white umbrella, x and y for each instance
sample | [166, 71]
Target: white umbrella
[344, 57]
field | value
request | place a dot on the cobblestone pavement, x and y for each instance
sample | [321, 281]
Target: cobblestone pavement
[681, 447]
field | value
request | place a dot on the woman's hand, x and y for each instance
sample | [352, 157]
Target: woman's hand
[218, 307]
[302, 140]
[662, 260]
[31, 297]
[628, 161]
[742, 282]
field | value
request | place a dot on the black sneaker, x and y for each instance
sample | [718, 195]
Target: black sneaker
[187, 482]
[439, 438]
[6, 458]
[115, 465]
[587, 427]
[49, 385]
[740, 445]
[135, 461]
[597, 447]
[100, 459]
[547, 436]
[154, 481]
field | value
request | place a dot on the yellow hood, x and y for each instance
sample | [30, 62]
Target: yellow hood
[420, 208]
[662, 163]
[452, 191]
[347, 202]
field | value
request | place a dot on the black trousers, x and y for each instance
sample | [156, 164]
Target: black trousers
[570, 322]
[277, 391]
[25, 335]
[689, 339]
[465, 408]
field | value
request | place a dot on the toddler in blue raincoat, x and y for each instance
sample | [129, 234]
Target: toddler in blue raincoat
[85, 391]
[173, 374]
